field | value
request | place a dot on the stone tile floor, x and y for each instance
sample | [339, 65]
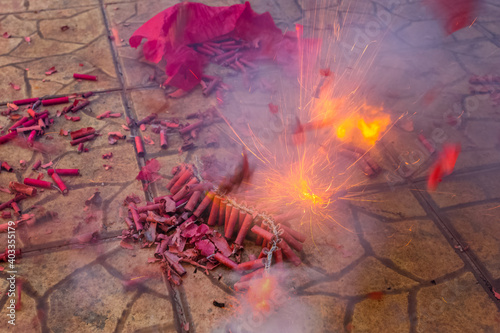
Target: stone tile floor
[405, 259]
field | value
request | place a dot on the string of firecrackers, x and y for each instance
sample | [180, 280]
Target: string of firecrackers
[279, 235]
[268, 221]
[186, 191]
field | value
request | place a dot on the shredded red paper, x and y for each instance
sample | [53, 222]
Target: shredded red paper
[51, 71]
[170, 32]
[14, 86]
[149, 172]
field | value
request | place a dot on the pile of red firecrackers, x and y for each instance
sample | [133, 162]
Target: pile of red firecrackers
[194, 211]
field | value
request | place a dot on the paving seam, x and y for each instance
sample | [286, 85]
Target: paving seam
[178, 307]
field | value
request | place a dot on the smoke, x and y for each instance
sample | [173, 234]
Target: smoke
[268, 306]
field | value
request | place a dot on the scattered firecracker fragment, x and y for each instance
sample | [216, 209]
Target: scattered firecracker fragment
[82, 133]
[139, 146]
[149, 172]
[82, 139]
[64, 172]
[7, 137]
[14, 86]
[26, 101]
[60, 184]
[6, 167]
[107, 156]
[148, 140]
[37, 183]
[51, 71]
[74, 119]
[45, 166]
[22, 188]
[77, 106]
[84, 77]
[12, 107]
[118, 135]
[55, 101]
[37, 164]
[163, 139]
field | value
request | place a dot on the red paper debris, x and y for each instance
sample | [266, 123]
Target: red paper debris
[51, 71]
[117, 134]
[444, 165]
[112, 139]
[376, 295]
[6, 35]
[64, 28]
[45, 166]
[170, 32]
[13, 107]
[104, 115]
[14, 86]
[126, 245]
[497, 295]
[27, 39]
[72, 118]
[115, 37]
[107, 156]
[205, 247]
[84, 77]
[82, 132]
[221, 244]
[149, 172]
[148, 140]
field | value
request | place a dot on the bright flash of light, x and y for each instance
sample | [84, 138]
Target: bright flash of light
[304, 186]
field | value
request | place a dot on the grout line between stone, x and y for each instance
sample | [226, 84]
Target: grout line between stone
[177, 297]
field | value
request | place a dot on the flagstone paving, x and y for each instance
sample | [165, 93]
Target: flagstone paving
[397, 258]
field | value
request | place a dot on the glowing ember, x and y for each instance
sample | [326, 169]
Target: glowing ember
[299, 188]
[260, 292]
[357, 124]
